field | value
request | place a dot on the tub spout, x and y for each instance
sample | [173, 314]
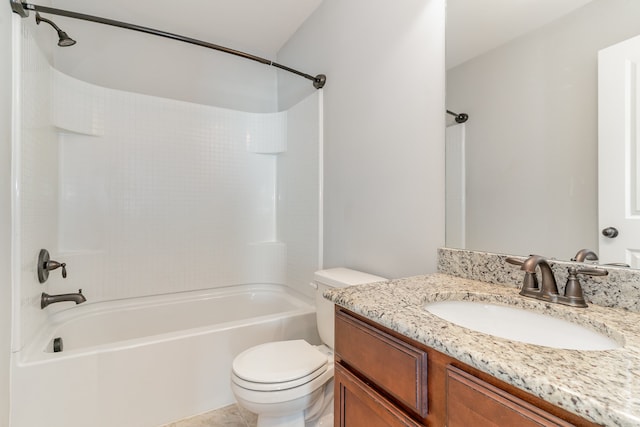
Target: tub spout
[47, 299]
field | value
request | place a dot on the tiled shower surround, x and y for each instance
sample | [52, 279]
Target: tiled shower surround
[142, 195]
[162, 196]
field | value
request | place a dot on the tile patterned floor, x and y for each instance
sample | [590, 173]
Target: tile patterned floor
[229, 416]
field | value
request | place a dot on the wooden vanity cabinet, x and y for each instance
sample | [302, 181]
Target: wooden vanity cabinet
[385, 379]
[360, 405]
[474, 402]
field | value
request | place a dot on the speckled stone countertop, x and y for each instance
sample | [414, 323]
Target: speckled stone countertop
[600, 386]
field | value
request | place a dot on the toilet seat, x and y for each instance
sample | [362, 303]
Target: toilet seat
[278, 365]
[255, 386]
[307, 390]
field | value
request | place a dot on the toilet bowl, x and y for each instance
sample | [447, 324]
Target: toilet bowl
[290, 383]
[287, 385]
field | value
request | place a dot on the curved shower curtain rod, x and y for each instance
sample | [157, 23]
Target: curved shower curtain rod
[23, 9]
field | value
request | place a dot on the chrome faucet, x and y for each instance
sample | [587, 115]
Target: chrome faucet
[548, 289]
[47, 299]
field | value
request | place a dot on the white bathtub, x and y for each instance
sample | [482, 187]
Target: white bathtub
[148, 361]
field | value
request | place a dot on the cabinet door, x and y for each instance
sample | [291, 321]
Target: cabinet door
[474, 402]
[394, 366]
[357, 405]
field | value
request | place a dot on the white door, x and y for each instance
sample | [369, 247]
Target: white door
[619, 152]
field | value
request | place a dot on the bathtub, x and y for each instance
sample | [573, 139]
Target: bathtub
[145, 362]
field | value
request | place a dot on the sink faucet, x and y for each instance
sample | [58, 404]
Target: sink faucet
[585, 255]
[548, 289]
[47, 299]
[588, 255]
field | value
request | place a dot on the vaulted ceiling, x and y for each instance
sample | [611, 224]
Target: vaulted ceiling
[261, 27]
[477, 26]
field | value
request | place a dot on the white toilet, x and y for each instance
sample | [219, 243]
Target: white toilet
[290, 383]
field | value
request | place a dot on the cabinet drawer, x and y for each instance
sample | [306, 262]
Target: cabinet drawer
[474, 402]
[395, 367]
[358, 405]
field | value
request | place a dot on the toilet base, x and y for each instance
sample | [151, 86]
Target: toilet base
[307, 405]
[320, 414]
[293, 420]
[312, 410]
[296, 420]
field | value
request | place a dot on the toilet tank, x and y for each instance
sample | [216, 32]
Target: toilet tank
[335, 278]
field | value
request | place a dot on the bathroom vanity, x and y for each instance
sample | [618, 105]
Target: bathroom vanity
[383, 378]
[398, 364]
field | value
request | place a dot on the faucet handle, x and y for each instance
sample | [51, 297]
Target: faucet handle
[52, 265]
[46, 264]
[530, 281]
[514, 261]
[573, 290]
[592, 271]
[617, 264]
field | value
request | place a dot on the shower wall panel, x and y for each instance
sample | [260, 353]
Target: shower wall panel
[299, 193]
[160, 196]
[35, 174]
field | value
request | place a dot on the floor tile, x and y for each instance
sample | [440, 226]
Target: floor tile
[229, 416]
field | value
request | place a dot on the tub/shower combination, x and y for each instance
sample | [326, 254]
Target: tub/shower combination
[112, 181]
[147, 361]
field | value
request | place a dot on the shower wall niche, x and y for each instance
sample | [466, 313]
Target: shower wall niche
[142, 195]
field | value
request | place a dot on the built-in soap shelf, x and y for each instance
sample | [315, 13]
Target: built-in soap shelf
[77, 131]
[266, 133]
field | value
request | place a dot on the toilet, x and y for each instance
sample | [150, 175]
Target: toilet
[290, 383]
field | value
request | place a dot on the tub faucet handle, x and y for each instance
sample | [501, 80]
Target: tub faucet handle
[52, 265]
[46, 264]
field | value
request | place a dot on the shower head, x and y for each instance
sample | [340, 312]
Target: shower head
[63, 39]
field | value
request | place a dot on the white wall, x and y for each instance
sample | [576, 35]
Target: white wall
[5, 210]
[384, 129]
[532, 134]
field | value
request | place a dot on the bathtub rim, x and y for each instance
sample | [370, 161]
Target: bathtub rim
[35, 351]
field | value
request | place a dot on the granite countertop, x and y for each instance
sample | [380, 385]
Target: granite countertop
[600, 386]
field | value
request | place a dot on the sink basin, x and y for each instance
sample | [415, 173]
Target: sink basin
[521, 325]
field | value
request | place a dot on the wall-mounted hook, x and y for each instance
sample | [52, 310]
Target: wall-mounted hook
[45, 265]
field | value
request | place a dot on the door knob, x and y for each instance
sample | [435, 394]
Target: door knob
[610, 232]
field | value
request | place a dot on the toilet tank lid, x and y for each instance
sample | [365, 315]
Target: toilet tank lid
[341, 277]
